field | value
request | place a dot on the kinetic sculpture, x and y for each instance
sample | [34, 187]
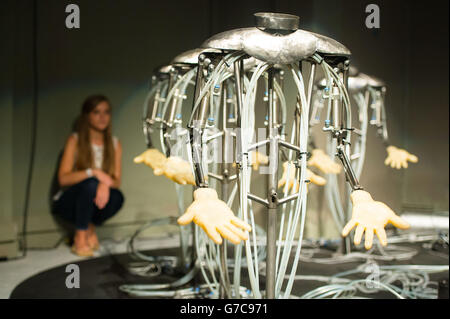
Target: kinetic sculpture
[230, 67]
[367, 92]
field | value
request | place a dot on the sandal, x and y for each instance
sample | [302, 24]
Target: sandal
[95, 247]
[82, 252]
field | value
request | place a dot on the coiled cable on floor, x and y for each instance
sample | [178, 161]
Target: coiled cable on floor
[158, 222]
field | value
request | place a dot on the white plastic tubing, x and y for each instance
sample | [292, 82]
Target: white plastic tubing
[331, 188]
[302, 194]
[248, 116]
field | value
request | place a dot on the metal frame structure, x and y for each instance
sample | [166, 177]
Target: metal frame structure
[228, 70]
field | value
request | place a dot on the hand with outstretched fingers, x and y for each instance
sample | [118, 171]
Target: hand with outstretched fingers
[398, 158]
[179, 171]
[313, 178]
[214, 217]
[323, 162]
[370, 216]
[153, 158]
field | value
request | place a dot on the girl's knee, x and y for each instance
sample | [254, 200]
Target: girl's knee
[89, 186]
[118, 198]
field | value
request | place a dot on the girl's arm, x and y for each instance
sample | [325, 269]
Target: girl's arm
[118, 166]
[65, 175]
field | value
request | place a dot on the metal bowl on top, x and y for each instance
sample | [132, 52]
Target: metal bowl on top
[276, 39]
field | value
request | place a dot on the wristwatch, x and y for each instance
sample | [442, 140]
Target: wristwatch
[89, 172]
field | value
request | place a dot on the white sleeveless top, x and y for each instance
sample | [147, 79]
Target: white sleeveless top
[97, 151]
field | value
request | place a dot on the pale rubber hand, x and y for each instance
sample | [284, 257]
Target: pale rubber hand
[370, 216]
[178, 170]
[257, 159]
[153, 158]
[398, 158]
[214, 217]
[323, 162]
[315, 179]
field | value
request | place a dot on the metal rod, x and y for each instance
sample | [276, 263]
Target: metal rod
[156, 102]
[257, 145]
[336, 117]
[383, 118]
[286, 199]
[238, 88]
[213, 175]
[271, 194]
[168, 123]
[199, 81]
[195, 132]
[311, 83]
[204, 108]
[225, 290]
[349, 173]
[258, 199]
[173, 107]
[297, 113]
[345, 124]
[209, 138]
[289, 146]
[237, 247]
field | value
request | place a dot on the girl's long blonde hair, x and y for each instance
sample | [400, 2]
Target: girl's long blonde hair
[84, 157]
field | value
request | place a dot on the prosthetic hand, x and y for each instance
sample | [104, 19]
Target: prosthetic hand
[371, 216]
[398, 158]
[178, 170]
[215, 217]
[153, 158]
[316, 179]
[323, 162]
[257, 159]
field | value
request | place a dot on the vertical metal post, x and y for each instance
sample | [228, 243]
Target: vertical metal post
[156, 102]
[311, 84]
[337, 119]
[168, 123]
[345, 125]
[271, 194]
[225, 289]
[238, 148]
[173, 107]
[239, 92]
[199, 81]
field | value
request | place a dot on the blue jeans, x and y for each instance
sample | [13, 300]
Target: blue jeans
[76, 205]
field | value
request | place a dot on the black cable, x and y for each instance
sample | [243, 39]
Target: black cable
[24, 245]
[35, 97]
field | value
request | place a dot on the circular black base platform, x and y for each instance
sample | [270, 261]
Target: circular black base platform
[101, 277]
